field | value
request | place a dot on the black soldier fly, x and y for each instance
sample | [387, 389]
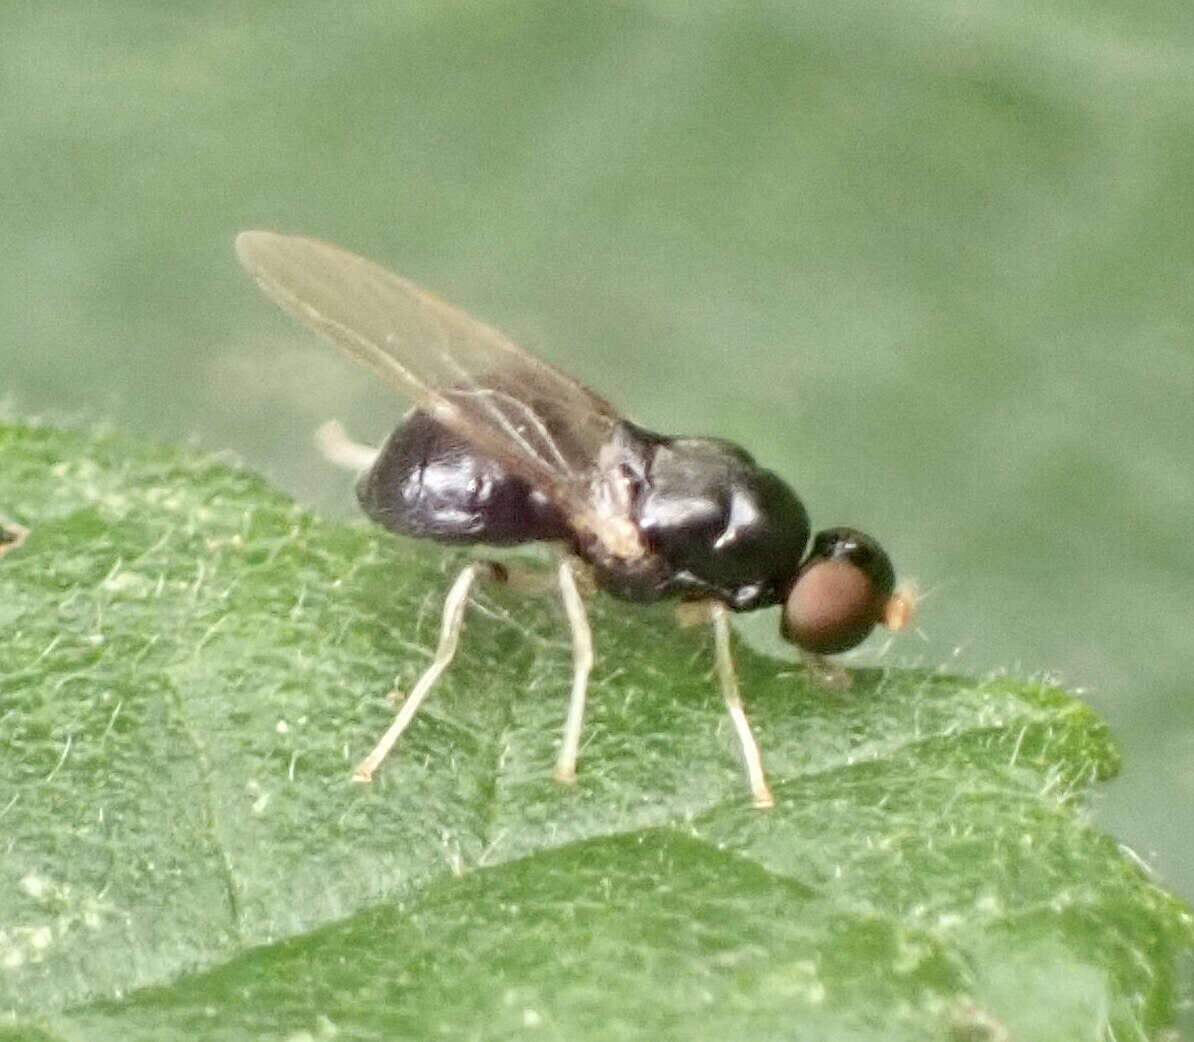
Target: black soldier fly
[503, 448]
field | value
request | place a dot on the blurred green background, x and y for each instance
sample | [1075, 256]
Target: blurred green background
[932, 261]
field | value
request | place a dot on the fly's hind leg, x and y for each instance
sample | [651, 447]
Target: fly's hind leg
[719, 615]
[449, 637]
[582, 664]
[337, 447]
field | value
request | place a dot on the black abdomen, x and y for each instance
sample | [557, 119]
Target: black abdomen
[427, 482]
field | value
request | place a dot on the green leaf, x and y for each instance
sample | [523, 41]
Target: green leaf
[191, 665]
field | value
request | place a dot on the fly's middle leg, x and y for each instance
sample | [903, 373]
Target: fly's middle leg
[761, 791]
[449, 637]
[582, 664]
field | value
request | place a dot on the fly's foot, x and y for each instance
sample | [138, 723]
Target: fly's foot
[826, 674]
[763, 800]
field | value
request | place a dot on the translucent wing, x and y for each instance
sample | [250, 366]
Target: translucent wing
[511, 405]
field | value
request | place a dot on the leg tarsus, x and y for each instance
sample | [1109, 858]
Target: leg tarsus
[826, 674]
[760, 790]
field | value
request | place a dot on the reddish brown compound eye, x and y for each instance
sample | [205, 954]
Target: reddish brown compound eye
[832, 607]
[844, 588]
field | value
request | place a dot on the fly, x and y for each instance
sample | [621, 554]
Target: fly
[503, 448]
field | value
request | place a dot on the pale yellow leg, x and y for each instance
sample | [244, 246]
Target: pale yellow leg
[582, 664]
[719, 615]
[449, 637]
[337, 447]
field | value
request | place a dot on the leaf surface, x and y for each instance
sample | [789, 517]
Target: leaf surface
[192, 664]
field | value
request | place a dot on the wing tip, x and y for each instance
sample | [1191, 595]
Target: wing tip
[252, 244]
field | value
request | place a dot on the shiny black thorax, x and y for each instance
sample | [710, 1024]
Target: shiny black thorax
[715, 524]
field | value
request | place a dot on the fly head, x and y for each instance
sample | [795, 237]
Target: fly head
[845, 586]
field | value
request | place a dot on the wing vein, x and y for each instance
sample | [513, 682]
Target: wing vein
[504, 401]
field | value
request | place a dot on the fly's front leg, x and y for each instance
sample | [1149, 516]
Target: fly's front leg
[582, 664]
[826, 674]
[449, 637]
[719, 615]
